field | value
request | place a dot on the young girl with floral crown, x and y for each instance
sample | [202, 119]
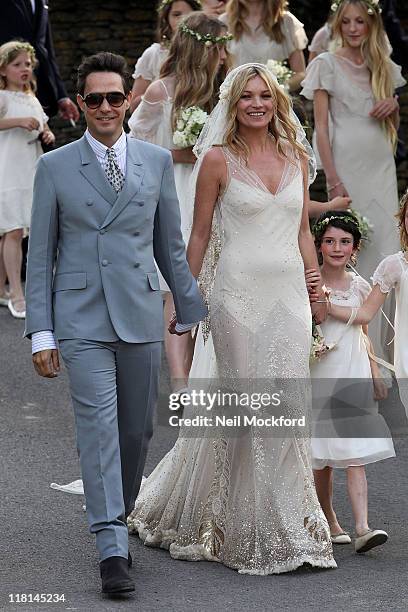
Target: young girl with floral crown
[147, 67]
[348, 431]
[265, 30]
[353, 91]
[22, 124]
[391, 273]
[190, 77]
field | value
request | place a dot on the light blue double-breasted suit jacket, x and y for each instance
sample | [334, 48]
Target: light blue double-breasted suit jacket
[91, 271]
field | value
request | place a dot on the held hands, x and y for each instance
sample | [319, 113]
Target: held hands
[172, 327]
[46, 363]
[29, 123]
[384, 108]
[313, 280]
[318, 297]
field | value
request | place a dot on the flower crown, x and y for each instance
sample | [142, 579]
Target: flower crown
[164, 3]
[373, 6]
[206, 39]
[321, 225]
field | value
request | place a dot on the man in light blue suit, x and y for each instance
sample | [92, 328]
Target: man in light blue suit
[104, 208]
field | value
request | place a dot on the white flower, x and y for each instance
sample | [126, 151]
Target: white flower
[189, 126]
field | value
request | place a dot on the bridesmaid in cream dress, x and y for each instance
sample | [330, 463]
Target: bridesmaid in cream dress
[264, 30]
[353, 90]
[246, 499]
[194, 81]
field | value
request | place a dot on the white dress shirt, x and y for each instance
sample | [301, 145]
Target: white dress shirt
[44, 340]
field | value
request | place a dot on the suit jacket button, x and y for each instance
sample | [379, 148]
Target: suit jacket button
[89, 202]
[104, 262]
[136, 234]
[102, 232]
[141, 203]
[137, 265]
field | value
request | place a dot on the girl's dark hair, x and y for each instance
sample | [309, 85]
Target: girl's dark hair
[342, 219]
[103, 62]
[164, 32]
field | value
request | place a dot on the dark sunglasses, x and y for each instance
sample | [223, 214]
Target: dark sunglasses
[95, 100]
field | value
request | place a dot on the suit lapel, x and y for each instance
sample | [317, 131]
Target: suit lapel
[133, 182]
[91, 169]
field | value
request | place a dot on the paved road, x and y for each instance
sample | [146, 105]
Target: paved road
[45, 547]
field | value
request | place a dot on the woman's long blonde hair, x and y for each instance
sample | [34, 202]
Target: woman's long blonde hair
[8, 53]
[195, 65]
[273, 11]
[281, 126]
[376, 52]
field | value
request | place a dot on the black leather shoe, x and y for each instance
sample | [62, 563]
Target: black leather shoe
[130, 560]
[115, 576]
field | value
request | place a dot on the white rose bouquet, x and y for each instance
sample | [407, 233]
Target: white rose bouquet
[281, 71]
[188, 126]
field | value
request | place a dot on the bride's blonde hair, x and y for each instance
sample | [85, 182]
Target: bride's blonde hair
[376, 52]
[195, 65]
[281, 127]
[273, 11]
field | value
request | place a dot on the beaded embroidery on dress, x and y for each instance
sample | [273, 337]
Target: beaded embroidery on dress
[247, 501]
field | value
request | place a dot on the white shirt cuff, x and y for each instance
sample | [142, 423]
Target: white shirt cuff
[183, 327]
[42, 341]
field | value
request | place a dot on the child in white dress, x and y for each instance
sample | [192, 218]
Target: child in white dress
[22, 123]
[391, 273]
[348, 430]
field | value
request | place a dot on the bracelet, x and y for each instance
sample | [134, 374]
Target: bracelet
[334, 186]
[321, 302]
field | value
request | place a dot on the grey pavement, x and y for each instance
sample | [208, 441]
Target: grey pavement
[45, 546]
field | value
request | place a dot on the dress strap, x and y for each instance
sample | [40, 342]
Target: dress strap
[165, 88]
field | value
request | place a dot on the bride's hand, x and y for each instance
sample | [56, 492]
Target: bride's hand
[313, 280]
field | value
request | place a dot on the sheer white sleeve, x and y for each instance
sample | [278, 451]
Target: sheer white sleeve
[149, 63]
[388, 273]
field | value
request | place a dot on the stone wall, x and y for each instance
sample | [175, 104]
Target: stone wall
[82, 27]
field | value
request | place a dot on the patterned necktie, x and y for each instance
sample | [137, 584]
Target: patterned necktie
[113, 172]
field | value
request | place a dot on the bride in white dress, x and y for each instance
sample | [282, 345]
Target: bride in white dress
[247, 501]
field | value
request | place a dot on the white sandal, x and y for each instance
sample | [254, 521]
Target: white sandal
[17, 314]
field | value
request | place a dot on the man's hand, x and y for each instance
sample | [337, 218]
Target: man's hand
[46, 363]
[172, 327]
[68, 110]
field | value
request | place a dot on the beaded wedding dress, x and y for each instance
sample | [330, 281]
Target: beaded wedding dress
[247, 501]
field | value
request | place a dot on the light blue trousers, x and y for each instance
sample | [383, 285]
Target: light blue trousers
[114, 388]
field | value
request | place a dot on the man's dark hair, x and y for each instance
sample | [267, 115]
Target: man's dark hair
[103, 62]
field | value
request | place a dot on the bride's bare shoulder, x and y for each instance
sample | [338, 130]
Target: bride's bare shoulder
[214, 158]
